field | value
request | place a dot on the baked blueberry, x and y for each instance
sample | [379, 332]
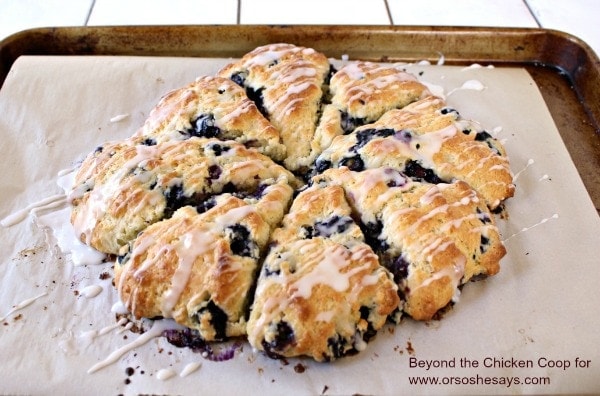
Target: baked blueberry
[240, 242]
[214, 172]
[176, 198]
[448, 110]
[354, 163]
[203, 126]
[485, 244]
[372, 232]
[417, 172]
[334, 225]
[206, 205]
[484, 136]
[366, 135]
[398, 268]
[284, 337]
[349, 123]
[239, 78]
[340, 347]
[216, 317]
[218, 149]
[149, 141]
[256, 95]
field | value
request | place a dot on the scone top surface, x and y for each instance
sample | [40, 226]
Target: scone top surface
[197, 268]
[321, 292]
[124, 186]
[213, 107]
[433, 238]
[427, 141]
[367, 90]
[288, 83]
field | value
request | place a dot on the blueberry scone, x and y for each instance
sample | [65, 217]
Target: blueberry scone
[197, 268]
[206, 209]
[288, 83]
[361, 92]
[213, 107]
[427, 141]
[432, 237]
[321, 291]
[124, 186]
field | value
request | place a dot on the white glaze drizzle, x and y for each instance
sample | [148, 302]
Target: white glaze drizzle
[157, 329]
[476, 66]
[441, 60]
[330, 261]
[165, 374]
[23, 304]
[64, 234]
[190, 368]
[119, 117]
[91, 335]
[190, 246]
[91, 291]
[46, 203]
[119, 308]
[472, 85]
[529, 163]
[525, 229]
[455, 272]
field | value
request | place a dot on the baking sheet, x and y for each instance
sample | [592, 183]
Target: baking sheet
[541, 309]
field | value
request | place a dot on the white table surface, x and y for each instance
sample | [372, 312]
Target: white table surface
[577, 17]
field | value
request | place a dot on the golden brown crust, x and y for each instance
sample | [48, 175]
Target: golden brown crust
[125, 186]
[434, 238]
[428, 135]
[321, 292]
[361, 92]
[213, 107]
[288, 80]
[192, 268]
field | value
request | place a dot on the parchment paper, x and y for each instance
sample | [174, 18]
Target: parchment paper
[542, 308]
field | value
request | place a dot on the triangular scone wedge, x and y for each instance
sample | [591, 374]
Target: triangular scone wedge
[321, 292]
[427, 141]
[212, 107]
[124, 186]
[197, 268]
[433, 238]
[361, 92]
[288, 83]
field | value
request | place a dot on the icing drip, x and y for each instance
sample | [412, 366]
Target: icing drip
[64, 234]
[22, 304]
[119, 117]
[525, 229]
[472, 85]
[91, 291]
[157, 329]
[165, 374]
[190, 368]
[189, 247]
[51, 202]
[529, 163]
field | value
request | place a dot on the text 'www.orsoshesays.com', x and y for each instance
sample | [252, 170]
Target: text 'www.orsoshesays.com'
[477, 380]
